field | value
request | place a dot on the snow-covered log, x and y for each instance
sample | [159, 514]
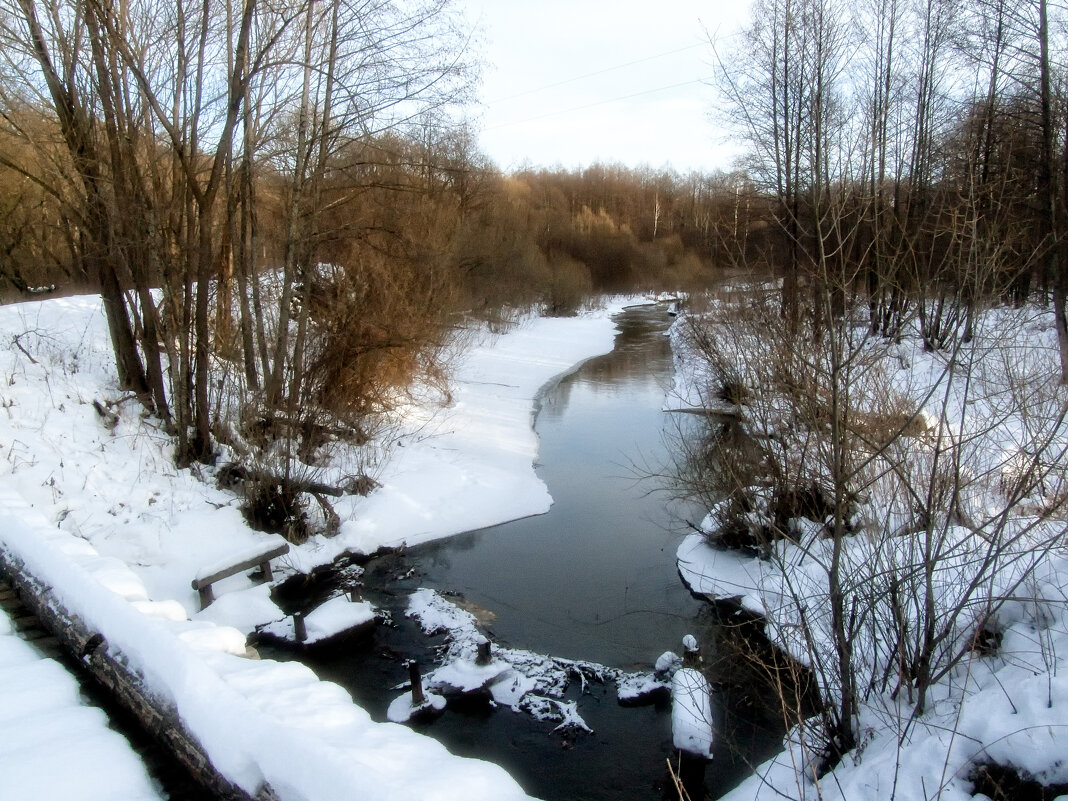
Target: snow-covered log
[124, 684]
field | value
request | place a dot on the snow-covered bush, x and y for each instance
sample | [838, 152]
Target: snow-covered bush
[901, 497]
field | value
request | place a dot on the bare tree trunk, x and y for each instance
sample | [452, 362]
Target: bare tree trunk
[1048, 192]
[315, 190]
[295, 208]
[75, 123]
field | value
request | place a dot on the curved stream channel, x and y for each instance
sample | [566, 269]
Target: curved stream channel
[593, 579]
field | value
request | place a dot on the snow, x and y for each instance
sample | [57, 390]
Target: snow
[436, 615]
[249, 554]
[691, 712]
[473, 466]
[520, 680]
[53, 746]
[402, 709]
[99, 514]
[635, 688]
[720, 573]
[338, 615]
[555, 710]
[453, 469]
[1007, 706]
[667, 662]
[328, 620]
[466, 675]
[261, 721]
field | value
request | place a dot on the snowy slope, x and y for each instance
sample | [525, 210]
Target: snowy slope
[1007, 705]
[99, 514]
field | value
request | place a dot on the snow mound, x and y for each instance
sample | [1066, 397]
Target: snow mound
[691, 713]
[261, 722]
[51, 744]
[334, 618]
[520, 680]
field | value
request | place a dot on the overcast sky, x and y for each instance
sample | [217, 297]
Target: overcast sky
[573, 82]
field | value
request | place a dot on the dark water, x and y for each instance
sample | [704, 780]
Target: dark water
[592, 579]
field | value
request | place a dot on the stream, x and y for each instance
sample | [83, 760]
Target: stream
[593, 579]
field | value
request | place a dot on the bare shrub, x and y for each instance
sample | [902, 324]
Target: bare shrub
[569, 287]
[276, 506]
[899, 510]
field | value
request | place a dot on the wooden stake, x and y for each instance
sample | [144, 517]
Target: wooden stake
[418, 698]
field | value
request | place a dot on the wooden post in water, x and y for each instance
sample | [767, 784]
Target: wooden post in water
[300, 631]
[691, 773]
[691, 719]
[484, 656]
[418, 698]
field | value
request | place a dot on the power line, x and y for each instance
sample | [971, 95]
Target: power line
[595, 104]
[595, 73]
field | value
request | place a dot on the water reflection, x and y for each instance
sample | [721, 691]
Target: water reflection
[638, 369]
[592, 579]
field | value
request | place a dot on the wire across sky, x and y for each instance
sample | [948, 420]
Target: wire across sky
[573, 82]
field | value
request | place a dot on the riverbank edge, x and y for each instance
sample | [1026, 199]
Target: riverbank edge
[100, 627]
[86, 618]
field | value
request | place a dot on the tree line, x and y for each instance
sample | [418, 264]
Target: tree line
[285, 196]
[912, 151]
[909, 158]
[283, 211]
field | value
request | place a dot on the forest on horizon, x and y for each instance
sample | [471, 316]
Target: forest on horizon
[296, 182]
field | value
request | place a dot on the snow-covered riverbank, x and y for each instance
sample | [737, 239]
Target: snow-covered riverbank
[997, 570]
[96, 506]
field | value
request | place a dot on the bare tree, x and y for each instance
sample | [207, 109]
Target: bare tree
[176, 121]
[874, 486]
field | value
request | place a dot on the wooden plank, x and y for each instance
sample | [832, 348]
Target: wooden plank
[24, 622]
[260, 558]
[50, 647]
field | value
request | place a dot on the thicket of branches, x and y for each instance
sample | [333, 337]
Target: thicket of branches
[179, 151]
[283, 217]
[285, 220]
[912, 156]
[914, 150]
[206, 168]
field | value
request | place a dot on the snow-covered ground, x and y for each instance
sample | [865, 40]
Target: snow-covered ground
[519, 680]
[99, 513]
[1006, 704]
[52, 745]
